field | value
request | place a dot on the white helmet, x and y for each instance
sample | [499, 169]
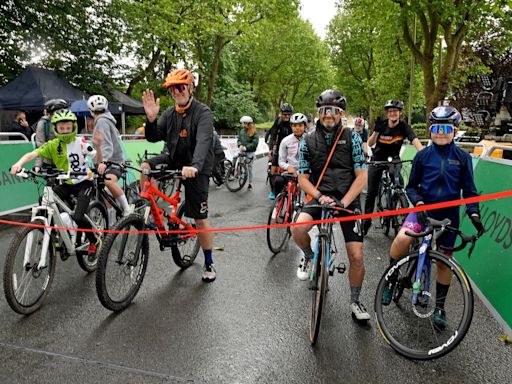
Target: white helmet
[97, 103]
[245, 120]
[298, 118]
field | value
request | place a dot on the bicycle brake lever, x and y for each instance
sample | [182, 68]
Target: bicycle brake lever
[473, 243]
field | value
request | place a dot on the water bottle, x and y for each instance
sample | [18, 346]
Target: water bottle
[69, 223]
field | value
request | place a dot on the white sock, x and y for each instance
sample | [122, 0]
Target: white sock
[111, 215]
[124, 203]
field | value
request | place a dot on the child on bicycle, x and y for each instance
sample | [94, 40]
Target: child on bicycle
[68, 153]
[105, 124]
[440, 172]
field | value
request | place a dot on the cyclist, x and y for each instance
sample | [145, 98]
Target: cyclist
[111, 150]
[289, 150]
[388, 137]
[344, 178]
[441, 172]
[362, 131]
[187, 129]
[68, 154]
[279, 130]
[218, 151]
[247, 143]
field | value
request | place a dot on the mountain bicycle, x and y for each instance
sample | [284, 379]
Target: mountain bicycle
[31, 259]
[391, 195]
[238, 173]
[124, 257]
[323, 264]
[409, 326]
[284, 209]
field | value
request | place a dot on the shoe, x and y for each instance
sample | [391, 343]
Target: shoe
[249, 187]
[303, 270]
[219, 186]
[439, 319]
[387, 294]
[271, 196]
[91, 252]
[359, 311]
[209, 273]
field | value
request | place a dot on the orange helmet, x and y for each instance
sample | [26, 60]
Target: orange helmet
[178, 76]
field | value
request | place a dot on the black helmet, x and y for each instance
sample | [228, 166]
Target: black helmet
[399, 104]
[55, 105]
[445, 115]
[287, 108]
[331, 97]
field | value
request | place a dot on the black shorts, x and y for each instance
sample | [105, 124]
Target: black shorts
[347, 227]
[196, 197]
[115, 170]
[162, 158]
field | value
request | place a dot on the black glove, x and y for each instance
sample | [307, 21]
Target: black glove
[478, 224]
[422, 217]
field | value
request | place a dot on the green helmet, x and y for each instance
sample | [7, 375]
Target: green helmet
[65, 115]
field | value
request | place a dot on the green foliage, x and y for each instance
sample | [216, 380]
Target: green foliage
[420, 130]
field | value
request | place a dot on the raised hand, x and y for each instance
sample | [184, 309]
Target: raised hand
[151, 106]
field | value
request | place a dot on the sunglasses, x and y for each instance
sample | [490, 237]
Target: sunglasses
[177, 88]
[332, 110]
[442, 129]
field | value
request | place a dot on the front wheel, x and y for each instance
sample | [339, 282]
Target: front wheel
[429, 326]
[279, 214]
[122, 264]
[185, 246]
[318, 286]
[97, 213]
[26, 284]
[237, 176]
[382, 206]
[399, 202]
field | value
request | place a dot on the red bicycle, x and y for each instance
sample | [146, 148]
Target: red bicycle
[283, 211]
[124, 256]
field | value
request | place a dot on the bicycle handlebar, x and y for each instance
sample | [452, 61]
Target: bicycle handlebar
[387, 162]
[60, 175]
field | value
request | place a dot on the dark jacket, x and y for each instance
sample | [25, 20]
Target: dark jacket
[218, 149]
[279, 130]
[250, 143]
[198, 125]
[340, 174]
[441, 173]
[17, 127]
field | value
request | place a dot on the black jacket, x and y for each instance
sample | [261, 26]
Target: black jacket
[280, 129]
[198, 124]
[17, 127]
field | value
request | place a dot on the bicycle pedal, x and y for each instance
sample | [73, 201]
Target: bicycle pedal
[341, 268]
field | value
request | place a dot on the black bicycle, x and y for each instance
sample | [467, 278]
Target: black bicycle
[391, 194]
[220, 171]
[412, 317]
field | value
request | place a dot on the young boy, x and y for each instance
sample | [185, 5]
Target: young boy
[440, 172]
[68, 153]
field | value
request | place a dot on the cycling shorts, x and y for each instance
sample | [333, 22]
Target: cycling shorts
[448, 238]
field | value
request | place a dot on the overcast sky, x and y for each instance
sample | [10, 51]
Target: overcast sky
[319, 13]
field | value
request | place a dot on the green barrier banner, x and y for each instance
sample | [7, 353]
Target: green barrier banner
[490, 266]
[15, 193]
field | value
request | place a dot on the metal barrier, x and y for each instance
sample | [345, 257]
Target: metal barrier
[473, 148]
[23, 138]
[133, 137]
[501, 154]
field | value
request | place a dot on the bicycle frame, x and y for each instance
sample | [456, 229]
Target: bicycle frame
[325, 231]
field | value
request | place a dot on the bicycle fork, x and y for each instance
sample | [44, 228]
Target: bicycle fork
[46, 240]
[423, 268]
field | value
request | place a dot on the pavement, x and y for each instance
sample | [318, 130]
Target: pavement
[249, 326]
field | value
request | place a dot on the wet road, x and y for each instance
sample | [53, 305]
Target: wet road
[249, 326]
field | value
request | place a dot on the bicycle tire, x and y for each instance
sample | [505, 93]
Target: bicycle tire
[404, 338]
[399, 202]
[277, 237]
[132, 192]
[319, 288]
[184, 251]
[236, 177]
[119, 262]
[14, 263]
[382, 206]
[97, 213]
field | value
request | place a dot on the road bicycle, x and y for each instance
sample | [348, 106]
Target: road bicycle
[408, 323]
[238, 173]
[391, 195]
[284, 209]
[124, 256]
[323, 264]
[31, 259]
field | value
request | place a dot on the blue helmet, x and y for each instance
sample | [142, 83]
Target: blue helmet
[446, 114]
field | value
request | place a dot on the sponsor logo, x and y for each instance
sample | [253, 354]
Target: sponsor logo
[444, 345]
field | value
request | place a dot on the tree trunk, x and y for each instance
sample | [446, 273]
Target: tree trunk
[140, 76]
[219, 44]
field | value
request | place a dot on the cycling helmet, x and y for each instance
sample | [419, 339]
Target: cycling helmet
[64, 115]
[287, 108]
[245, 120]
[179, 76]
[331, 97]
[54, 105]
[359, 121]
[298, 118]
[445, 115]
[394, 104]
[97, 103]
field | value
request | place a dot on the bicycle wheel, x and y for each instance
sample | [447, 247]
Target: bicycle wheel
[399, 202]
[236, 177]
[411, 329]
[277, 236]
[184, 248]
[98, 214]
[122, 264]
[319, 290]
[25, 285]
[383, 206]
[132, 192]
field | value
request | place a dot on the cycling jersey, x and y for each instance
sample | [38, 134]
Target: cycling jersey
[390, 140]
[289, 152]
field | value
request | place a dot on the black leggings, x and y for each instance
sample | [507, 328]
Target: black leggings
[374, 177]
[84, 191]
